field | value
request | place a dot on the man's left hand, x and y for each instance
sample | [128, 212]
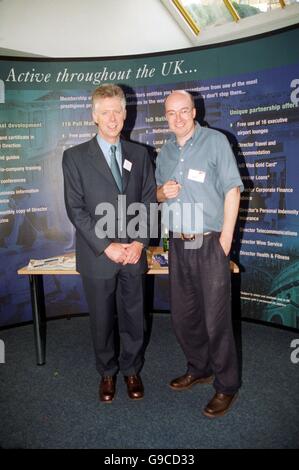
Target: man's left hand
[226, 243]
[133, 252]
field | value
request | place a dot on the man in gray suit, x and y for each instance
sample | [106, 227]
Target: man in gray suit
[108, 172]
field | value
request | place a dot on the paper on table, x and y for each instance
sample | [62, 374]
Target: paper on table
[58, 262]
[161, 259]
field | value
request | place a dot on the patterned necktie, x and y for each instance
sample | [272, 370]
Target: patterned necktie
[115, 168]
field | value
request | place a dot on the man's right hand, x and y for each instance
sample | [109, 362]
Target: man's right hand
[116, 252]
[168, 190]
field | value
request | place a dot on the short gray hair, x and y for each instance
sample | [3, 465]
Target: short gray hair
[108, 90]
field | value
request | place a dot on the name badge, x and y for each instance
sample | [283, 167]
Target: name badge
[197, 175]
[127, 165]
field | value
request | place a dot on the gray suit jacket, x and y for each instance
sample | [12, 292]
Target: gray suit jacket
[88, 181]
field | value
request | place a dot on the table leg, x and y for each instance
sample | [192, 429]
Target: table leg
[39, 316]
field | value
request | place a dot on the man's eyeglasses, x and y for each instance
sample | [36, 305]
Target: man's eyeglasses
[184, 113]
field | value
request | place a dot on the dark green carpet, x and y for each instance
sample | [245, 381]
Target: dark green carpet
[56, 405]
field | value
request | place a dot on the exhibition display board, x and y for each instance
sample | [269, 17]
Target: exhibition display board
[247, 89]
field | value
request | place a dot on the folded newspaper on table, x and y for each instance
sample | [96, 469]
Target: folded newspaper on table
[55, 263]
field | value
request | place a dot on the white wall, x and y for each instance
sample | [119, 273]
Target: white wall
[88, 28]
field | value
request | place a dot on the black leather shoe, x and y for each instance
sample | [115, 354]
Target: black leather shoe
[187, 381]
[107, 388]
[219, 405]
[134, 387]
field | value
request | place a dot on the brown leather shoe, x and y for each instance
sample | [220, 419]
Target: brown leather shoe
[107, 388]
[219, 405]
[187, 381]
[135, 387]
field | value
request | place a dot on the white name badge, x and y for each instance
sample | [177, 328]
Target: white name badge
[196, 175]
[127, 165]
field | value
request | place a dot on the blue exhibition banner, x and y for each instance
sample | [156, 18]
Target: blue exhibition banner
[247, 89]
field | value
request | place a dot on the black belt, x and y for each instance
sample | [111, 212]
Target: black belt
[190, 236]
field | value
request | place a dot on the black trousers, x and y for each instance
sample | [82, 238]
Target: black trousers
[200, 298]
[122, 295]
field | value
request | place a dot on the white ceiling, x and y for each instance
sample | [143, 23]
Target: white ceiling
[103, 28]
[88, 28]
